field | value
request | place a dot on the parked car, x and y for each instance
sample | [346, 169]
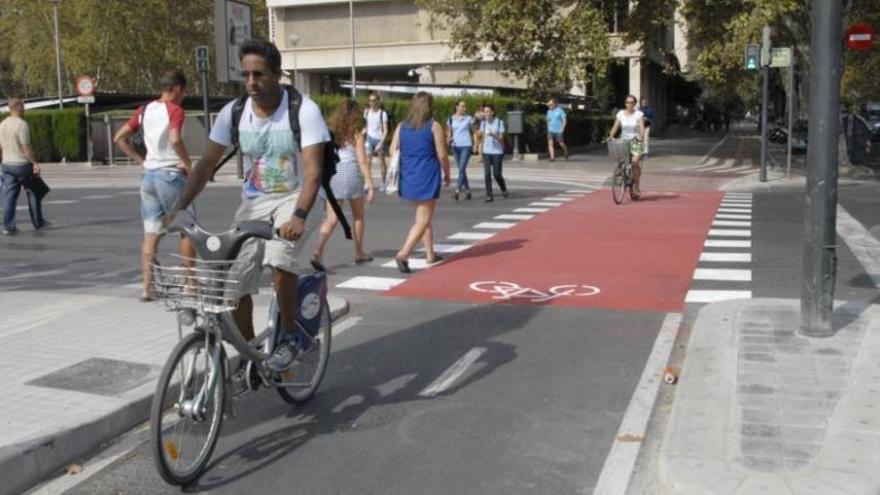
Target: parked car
[871, 112]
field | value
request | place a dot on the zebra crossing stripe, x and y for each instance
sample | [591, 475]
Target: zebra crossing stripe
[470, 236]
[725, 243]
[726, 274]
[708, 296]
[531, 210]
[514, 217]
[726, 257]
[544, 203]
[733, 217]
[558, 198]
[494, 225]
[447, 248]
[731, 223]
[364, 282]
[735, 210]
[730, 233]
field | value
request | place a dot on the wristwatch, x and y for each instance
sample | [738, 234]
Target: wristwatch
[301, 213]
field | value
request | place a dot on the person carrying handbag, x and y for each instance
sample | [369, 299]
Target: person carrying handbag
[19, 169]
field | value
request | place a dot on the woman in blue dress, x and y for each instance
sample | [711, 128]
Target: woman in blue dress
[420, 142]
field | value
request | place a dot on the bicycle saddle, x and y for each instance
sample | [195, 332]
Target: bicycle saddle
[223, 245]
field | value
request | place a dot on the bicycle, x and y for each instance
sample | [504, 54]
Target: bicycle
[618, 150]
[191, 397]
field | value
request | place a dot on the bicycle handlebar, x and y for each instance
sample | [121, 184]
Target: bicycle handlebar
[223, 246]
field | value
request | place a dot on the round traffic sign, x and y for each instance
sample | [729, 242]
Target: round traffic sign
[85, 86]
[860, 37]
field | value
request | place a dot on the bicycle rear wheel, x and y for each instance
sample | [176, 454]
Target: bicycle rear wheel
[182, 441]
[618, 184]
[303, 378]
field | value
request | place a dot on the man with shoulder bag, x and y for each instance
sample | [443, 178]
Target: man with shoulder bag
[19, 169]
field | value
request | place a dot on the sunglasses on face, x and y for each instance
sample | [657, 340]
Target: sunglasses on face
[630, 102]
[246, 74]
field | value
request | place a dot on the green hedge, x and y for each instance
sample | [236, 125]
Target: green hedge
[57, 134]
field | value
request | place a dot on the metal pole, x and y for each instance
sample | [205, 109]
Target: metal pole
[111, 153]
[351, 29]
[88, 137]
[790, 113]
[764, 77]
[820, 260]
[205, 104]
[58, 54]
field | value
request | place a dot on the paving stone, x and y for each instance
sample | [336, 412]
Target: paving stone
[757, 401]
[760, 357]
[759, 430]
[769, 416]
[764, 464]
[803, 451]
[756, 389]
[816, 420]
[754, 447]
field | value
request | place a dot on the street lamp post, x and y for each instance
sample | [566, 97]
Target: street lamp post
[293, 40]
[351, 30]
[55, 5]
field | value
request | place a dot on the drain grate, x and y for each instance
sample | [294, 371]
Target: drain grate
[99, 376]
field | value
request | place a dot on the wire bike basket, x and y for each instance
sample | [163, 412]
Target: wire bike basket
[618, 151]
[205, 286]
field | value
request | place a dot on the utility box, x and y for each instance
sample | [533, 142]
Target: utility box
[515, 122]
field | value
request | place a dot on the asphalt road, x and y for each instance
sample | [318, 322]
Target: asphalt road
[536, 413]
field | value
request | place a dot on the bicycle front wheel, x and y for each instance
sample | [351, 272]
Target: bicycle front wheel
[187, 409]
[303, 378]
[618, 184]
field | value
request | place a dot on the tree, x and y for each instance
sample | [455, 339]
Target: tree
[862, 69]
[549, 44]
[125, 46]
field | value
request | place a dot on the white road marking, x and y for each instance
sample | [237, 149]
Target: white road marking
[733, 217]
[98, 196]
[531, 210]
[544, 203]
[727, 243]
[445, 380]
[509, 216]
[738, 195]
[494, 225]
[60, 202]
[414, 264]
[708, 296]
[370, 283]
[727, 257]
[726, 274]
[731, 223]
[346, 324]
[447, 248]
[471, 236]
[735, 210]
[729, 233]
[863, 245]
[736, 202]
[583, 191]
[558, 198]
[618, 467]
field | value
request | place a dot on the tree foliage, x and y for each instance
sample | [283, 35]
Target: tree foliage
[125, 46]
[549, 44]
[861, 75]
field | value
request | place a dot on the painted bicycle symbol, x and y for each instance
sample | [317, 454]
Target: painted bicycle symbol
[506, 291]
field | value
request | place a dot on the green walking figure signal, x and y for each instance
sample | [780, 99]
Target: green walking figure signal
[753, 57]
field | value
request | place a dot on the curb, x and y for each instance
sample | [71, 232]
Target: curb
[26, 464]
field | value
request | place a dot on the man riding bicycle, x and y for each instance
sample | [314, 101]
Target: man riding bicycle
[281, 184]
[631, 123]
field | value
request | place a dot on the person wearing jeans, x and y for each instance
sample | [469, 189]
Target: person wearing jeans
[18, 167]
[458, 134]
[492, 130]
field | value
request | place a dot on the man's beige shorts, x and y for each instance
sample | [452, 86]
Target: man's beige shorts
[277, 208]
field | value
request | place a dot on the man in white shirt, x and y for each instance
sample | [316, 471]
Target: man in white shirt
[376, 129]
[19, 166]
[165, 166]
[281, 183]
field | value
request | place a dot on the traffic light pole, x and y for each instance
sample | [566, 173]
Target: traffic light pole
[820, 260]
[764, 83]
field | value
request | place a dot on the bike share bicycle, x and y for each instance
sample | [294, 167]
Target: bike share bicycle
[191, 396]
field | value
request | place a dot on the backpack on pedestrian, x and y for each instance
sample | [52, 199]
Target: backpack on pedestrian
[331, 148]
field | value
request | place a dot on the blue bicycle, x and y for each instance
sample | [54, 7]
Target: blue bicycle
[191, 396]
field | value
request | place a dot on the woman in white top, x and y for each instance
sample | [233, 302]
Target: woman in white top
[352, 173]
[631, 123]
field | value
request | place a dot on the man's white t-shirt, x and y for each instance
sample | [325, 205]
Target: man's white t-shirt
[267, 146]
[629, 124]
[158, 119]
[375, 120]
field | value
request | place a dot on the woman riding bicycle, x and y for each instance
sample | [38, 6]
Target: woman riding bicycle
[631, 123]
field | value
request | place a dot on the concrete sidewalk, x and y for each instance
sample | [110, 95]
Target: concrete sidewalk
[760, 409]
[77, 369]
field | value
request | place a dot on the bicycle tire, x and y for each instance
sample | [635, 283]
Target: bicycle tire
[618, 184]
[166, 389]
[304, 369]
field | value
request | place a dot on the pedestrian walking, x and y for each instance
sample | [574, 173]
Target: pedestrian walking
[422, 147]
[282, 174]
[648, 112]
[166, 166]
[19, 167]
[376, 130]
[556, 121]
[492, 130]
[353, 173]
[459, 135]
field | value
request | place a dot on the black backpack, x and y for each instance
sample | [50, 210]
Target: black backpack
[331, 148]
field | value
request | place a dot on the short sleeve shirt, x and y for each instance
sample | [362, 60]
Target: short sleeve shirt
[14, 132]
[268, 148]
[158, 118]
[629, 124]
[461, 130]
[374, 123]
[491, 145]
[555, 118]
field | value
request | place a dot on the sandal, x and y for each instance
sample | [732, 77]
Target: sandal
[437, 259]
[317, 265]
[146, 299]
[365, 259]
[402, 265]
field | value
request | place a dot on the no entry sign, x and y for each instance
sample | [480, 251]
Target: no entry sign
[860, 37]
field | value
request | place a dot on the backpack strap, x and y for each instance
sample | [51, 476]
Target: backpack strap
[237, 111]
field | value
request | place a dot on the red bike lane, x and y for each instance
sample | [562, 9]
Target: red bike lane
[587, 253]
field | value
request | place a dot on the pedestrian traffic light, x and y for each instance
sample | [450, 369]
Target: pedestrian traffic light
[753, 54]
